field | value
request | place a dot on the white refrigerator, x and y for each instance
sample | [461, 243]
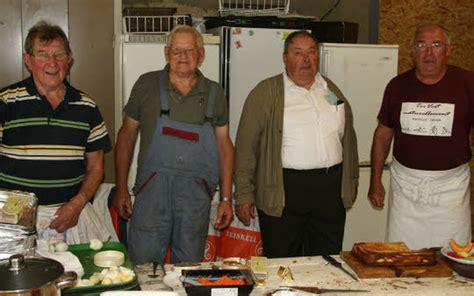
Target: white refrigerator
[249, 55]
[145, 53]
[362, 71]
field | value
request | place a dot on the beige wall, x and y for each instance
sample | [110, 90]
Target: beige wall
[91, 32]
[90, 27]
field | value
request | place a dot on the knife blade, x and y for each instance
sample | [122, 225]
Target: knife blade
[337, 264]
[316, 290]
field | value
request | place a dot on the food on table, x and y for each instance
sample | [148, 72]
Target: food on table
[58, 247]
[224, 280]
[392, 254]
[461, 251]
[61, 247]
[460, 248]
[108, 276]
[15, 204]
[96, 244]
[17, 208]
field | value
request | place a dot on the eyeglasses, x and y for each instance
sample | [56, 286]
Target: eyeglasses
[422, 46]
[57, 56]
[178, 51]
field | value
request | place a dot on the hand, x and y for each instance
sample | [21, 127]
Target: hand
[224, 215]
[245, 212]
[377, 195]
[66, 216]
[122, 202]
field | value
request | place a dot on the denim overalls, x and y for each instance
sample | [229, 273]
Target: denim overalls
[174, 188]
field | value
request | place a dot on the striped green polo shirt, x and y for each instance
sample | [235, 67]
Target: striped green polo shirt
[43, 150]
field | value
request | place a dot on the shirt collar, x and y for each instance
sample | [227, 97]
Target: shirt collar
[198, 88]
[319, 82]
[72, 94]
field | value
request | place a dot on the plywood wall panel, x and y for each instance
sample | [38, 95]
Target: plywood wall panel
[399, 18]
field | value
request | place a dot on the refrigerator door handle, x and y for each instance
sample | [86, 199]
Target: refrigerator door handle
[325, 64]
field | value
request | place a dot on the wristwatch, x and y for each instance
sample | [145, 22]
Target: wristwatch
[226, 199]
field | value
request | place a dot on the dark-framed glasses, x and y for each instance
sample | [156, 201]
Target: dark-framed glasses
[422, 46]
[57, 56]
[179, 51]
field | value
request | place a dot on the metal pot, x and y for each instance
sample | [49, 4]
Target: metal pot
[33, 276]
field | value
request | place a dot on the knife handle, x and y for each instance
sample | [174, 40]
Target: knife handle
[332, 261]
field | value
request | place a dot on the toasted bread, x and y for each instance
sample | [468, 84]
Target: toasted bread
[392, 254]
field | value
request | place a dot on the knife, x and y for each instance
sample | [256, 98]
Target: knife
[337, 264]
[316, 290]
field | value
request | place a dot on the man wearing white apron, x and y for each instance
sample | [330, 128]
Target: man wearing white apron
[428, 111]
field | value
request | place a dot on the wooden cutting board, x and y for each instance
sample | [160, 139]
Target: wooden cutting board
[441, 269]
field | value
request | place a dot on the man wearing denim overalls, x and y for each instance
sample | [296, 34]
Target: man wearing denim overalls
[185, 149]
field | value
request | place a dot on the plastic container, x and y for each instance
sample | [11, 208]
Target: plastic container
[195, 290]
[109, 258]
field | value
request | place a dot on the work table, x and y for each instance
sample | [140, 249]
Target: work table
[314, 271]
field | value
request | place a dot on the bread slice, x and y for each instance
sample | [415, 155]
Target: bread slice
[392, 254]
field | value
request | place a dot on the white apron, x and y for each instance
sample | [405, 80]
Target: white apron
[89, 226]
[428, 208]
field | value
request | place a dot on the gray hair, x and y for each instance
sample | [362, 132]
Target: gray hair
[186, 29]
[296, 34]
[420, 28]
[45, 32]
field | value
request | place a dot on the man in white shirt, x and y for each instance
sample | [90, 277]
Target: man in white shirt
[289, 158]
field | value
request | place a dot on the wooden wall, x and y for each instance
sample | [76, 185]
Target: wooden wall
[399, 18]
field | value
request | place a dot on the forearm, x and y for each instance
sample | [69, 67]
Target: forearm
[92, 180]
[380, 150]
[123, 159]
[226, 169]
[226, 160]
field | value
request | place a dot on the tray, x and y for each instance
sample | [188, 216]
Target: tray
[86, 257]
[25, 216]
[440, 269]
[241, 290]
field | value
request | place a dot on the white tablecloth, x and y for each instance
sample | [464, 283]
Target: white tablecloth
[314, 271]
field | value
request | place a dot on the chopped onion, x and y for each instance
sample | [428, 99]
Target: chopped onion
[61, 247]
[96, 244]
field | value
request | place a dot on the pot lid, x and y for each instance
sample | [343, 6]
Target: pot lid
[19, 273]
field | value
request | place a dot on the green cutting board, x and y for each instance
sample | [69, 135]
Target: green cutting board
[86, 257]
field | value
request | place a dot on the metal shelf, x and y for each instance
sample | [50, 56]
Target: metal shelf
[253, 7]
[153, 24]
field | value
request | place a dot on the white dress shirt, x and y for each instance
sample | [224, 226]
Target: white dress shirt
[313, 126]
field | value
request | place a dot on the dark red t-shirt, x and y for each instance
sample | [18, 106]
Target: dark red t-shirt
[425, 152]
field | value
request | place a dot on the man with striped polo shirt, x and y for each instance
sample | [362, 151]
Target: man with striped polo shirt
[52, 140]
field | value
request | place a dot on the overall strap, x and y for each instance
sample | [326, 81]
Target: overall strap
[165, 109]
[210, 103]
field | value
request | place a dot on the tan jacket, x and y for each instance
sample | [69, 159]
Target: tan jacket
[258, 169]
